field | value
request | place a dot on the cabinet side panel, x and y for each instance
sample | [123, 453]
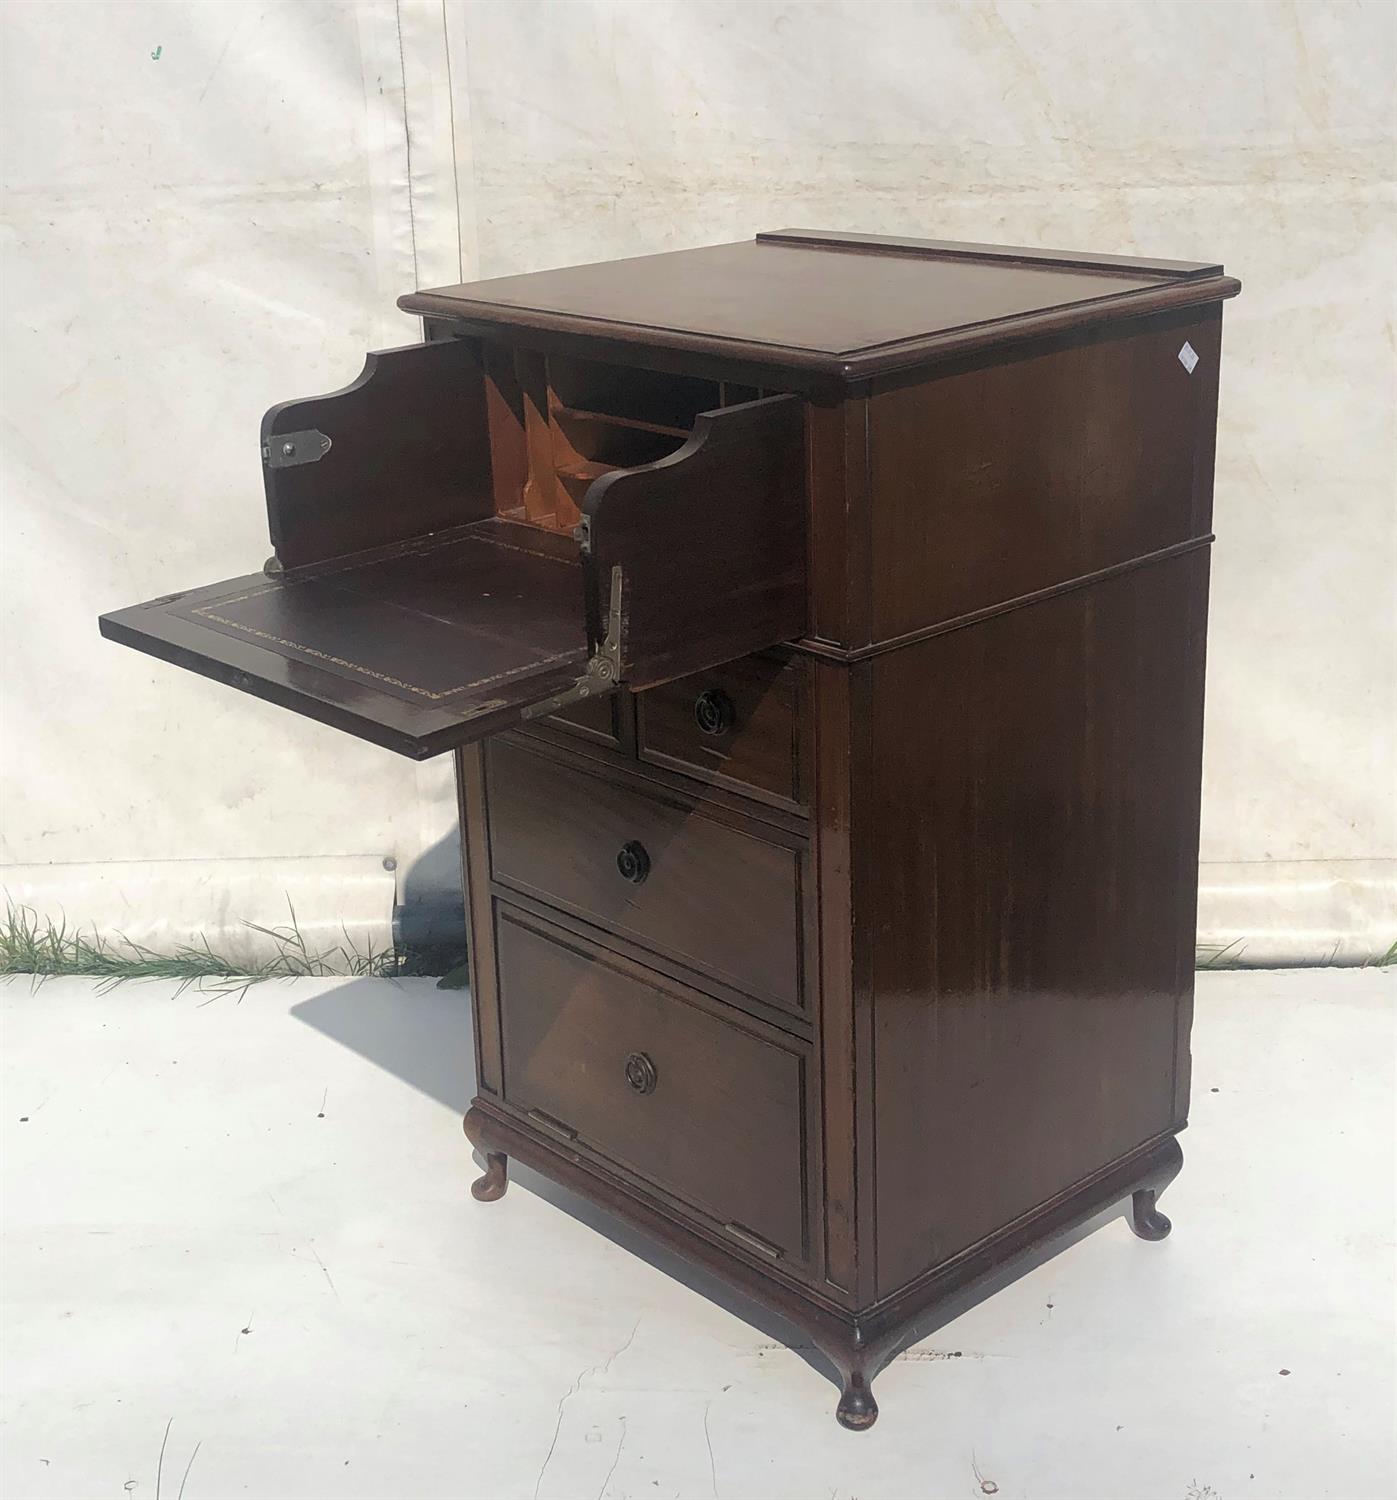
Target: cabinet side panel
[836, 436]
[399, 453]
[999, 480]
[1033, 822]
[475, 864]
[844, 1013]
[1190, 732]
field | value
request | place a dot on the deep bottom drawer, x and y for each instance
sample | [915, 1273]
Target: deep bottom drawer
[646, 1074]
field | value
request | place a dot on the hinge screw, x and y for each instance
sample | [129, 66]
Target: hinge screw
[288, 449]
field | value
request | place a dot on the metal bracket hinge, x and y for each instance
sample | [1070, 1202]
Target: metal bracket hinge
[753, 1241]
[603, 672]
[284, 450]
[557, 1127]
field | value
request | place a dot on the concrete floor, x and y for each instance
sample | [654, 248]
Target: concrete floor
[238, 1235]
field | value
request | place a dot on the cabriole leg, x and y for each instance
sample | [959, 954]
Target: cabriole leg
[496, 1179]
[857, 1410]
[1145, 1219]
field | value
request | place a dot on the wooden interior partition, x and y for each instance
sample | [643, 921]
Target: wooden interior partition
[557, 424]
[402, 451]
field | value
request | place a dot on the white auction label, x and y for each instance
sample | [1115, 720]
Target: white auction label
[1188, 357]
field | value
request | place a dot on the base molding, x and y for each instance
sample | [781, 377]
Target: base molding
[857, 1343]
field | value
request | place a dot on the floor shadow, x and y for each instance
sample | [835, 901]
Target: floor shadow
[423, 1036]
[414, 1031]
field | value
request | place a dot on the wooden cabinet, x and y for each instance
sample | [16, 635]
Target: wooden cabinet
[818, 624]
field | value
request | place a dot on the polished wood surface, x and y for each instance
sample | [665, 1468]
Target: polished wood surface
[407, 454]
[657, 1079]
[1028, 1019]
[832, 896]
[1037, 489]
[723, 899]
[708, 545]
[739, 725]
[1025, 255]
[808, 306]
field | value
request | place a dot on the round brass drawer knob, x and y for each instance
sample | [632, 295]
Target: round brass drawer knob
[640, 1073]
[713, 712]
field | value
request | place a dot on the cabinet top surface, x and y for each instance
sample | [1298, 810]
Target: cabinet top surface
[841, 303]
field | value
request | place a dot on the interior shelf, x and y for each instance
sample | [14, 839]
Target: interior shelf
[619, 419]
[584, 469]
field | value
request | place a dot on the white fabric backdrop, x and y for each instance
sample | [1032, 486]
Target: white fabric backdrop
[193, 235]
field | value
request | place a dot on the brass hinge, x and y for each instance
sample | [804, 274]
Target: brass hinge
[753, 1241]
[287, 450]
[603, 672]
[557, 1127]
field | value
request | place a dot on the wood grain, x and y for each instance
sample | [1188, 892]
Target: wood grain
[812, 314]
[1025, 1022]
[753, 712]
[710, 544]
[1012, 477]
[722, 1125]
[846, 947]
[409, 454]
[725, 900]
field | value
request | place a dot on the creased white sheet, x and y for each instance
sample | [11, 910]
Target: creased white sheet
[212, 207]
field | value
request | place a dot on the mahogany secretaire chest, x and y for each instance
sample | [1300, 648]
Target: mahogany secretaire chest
[818, 626]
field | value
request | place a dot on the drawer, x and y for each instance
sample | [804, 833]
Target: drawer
[722, 900]
[736, 725]
[428, 587]
[644, 1073]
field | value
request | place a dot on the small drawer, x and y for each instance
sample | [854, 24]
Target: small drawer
[738, 725]
[599, 1052]
[722, 900]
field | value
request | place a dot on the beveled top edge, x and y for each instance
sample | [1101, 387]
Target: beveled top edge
[804, 369]
[881, 244]
[1163, 286]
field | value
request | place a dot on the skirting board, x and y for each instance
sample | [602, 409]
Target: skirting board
[1280, 914]
[339, 901]
[1271, 914]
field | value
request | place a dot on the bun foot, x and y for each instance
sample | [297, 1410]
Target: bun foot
[857, 1410]
[496, 1179]
[1145, 1219]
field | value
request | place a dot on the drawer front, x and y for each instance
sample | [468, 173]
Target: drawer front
[737, 725]
[642, 1072]
[716, 898]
